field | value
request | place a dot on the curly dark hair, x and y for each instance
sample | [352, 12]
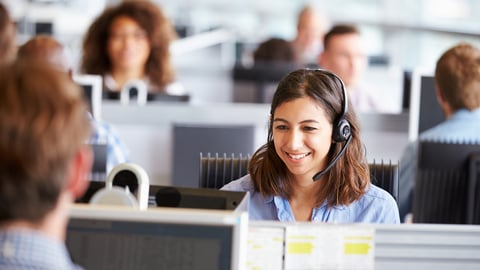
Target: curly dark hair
[159, 30]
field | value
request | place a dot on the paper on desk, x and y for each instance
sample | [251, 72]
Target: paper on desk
[329, 247]
[265, 248]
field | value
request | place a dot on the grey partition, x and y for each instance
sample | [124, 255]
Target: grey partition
[189, 140]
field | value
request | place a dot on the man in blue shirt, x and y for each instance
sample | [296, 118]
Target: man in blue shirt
[457, 79]
[43, 164]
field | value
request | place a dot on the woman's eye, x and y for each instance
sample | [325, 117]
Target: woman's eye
[309, 128]
[281, 127]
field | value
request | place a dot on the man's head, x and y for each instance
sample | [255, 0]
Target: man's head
[311, 26]
[43, 126]
[343, 54]
[457, 77]
[48, 49]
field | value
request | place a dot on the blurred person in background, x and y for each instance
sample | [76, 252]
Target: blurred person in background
[130, 42]
[311, 27]
[344, 55]
[47, 49]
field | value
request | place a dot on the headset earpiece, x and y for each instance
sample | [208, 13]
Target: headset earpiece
[342, 131]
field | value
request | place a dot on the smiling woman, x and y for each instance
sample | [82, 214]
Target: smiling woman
[313, 167]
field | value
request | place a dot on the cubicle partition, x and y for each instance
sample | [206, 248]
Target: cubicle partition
[274, 245]
[147, 130]
[173, 238]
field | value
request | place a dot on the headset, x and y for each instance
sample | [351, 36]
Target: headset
[341, 126]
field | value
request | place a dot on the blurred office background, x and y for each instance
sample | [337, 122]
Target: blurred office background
[214, 35]
[399, 35]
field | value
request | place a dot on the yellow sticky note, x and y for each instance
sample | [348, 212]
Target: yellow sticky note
[300, 248]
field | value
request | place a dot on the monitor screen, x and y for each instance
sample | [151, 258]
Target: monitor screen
[92, 86]
[425, 112]
[161, 238]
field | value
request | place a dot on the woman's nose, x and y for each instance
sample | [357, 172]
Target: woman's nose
[294, 139]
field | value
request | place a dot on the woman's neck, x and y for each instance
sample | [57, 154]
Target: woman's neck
[304, 198]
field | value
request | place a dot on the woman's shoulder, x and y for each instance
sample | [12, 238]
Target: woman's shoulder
[244, 183]
[382, 204]
[376, 193]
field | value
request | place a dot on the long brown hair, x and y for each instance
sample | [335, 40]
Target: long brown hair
[159, 30]
[347, 180]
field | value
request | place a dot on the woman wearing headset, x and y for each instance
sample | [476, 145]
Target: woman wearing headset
[313, 167]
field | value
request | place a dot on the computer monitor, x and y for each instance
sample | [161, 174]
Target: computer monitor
[183, 197]
[425, 112]
[92, 86]
[162, 238]
[99, 166]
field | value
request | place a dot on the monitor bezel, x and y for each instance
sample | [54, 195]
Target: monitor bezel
[237, 220]
[96, 82]
[415, 100]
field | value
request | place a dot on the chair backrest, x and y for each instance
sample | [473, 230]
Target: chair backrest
[385, 176]
[191, 140]
[446, 183]
[217, 170]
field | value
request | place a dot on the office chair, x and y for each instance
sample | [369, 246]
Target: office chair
[446, 183]
[189, 140]
[385, 176]
[261, 78]
[216, 170]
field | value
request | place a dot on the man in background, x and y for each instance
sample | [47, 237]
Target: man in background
[311, 26]
[344, 55]
[47, 49]
[457, 86]
[43, 164]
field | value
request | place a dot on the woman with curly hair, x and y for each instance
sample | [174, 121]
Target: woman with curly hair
[130, 42]
[313, 167]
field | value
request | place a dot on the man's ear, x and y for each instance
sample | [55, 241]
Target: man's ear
[80, 168]
[447, 111]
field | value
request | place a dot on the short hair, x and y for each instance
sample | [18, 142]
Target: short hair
[43, 123]
[7, 36]
[159, 30]
[348, 178]
[275, 50]
[48, 49]
[339, 29]
[457, 75]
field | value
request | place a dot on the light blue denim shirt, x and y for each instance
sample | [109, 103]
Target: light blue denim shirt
[462, 127]
[375, 206]
[26, 249]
